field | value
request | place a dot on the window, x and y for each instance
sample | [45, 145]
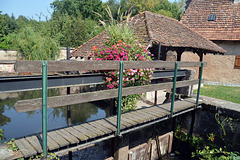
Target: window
[212, 17]
[237, 62]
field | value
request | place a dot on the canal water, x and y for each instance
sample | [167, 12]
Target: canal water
[17, 124]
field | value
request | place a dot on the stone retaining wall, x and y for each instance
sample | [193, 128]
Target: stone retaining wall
[12, 55]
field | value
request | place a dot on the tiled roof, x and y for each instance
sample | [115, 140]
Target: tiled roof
[226, 25]
[151, 27]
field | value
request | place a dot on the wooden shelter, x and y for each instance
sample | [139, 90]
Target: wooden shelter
[159, 34]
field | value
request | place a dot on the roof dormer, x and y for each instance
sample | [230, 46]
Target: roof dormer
[236, 1]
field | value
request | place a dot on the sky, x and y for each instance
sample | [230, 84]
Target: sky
[28, 8]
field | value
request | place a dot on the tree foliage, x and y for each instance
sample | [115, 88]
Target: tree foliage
[32, 45]
[7, 26]
[163, 7]
[73, 22]
[73, 31]
[76, 8]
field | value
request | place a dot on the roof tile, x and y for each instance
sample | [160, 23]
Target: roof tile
[151, 27]
[227, 23]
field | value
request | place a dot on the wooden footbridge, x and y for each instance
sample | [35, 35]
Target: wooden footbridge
[72, 137]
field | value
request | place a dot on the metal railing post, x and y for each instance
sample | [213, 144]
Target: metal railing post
[174, 88]
[44, 107]
[119, 98]
[199, 84]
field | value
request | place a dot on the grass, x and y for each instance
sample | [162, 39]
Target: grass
[227, 93]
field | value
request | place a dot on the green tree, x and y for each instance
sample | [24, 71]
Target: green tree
[76, 8]
[73, 31]
[7, 26]
[32, 45]
[163, 7]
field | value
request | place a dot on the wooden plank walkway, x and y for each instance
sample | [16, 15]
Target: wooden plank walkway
[80, 134]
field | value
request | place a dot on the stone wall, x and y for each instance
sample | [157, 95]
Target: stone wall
[214, 116]
[220, 68]
[12, 55]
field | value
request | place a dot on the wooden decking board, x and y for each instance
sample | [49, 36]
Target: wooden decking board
[125, 118]
[85, 131]
[93, 129]
[126, 122]
[144, 118]
[26, 149]
[76, 133]
[70, 138]
[51, 144]
[58, 138]
[140, 119]
[133, 117]
[160, 109]
[145, 114]
[34, 141]
[132, 120]
[73, 135]
[151, 114]
[154, 115]
[101, 127]
[114, 121]
[107, 124]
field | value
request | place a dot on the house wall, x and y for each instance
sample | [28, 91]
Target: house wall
[232, 47]
[220, 68]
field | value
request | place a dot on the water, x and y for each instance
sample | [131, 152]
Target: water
[17, 124]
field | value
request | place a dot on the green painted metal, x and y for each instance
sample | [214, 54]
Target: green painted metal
[119, 98]
[174, 87]
[44, 107]
[199, 84]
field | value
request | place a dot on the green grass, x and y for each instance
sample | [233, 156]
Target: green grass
[227, 93]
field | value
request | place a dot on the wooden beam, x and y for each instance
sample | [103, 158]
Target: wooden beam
[179, 53]
[200, 54]
[57, 101]
[58, 66]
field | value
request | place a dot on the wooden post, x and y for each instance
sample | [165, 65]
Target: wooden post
[159, 56]
[200, 54]
[68, 92]
[69, 121]
[121, 147]
[179, 54]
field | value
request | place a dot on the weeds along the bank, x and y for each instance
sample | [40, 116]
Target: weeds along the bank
[195, 147]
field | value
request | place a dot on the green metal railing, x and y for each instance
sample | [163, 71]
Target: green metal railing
[174, 88]
[199, 84]
[119, 98]
[44, 107]
[118, 133]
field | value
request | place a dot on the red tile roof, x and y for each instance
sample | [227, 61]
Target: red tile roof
[151, 27]
[227, 23]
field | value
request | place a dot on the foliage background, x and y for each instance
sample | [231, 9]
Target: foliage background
[72, 23]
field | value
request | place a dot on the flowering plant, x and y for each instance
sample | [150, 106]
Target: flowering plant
[121, 52]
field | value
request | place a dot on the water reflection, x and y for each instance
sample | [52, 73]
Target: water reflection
[17, 124]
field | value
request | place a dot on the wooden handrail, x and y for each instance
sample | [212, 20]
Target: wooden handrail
[57, 101]
[58, 66]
